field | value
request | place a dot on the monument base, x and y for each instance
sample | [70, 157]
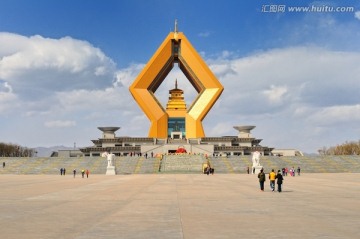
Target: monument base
[110, 170]
[257, 169]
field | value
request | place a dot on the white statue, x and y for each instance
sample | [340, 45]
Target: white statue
[110, 158]
[256, 159]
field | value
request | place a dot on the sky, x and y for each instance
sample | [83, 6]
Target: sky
[291, 68]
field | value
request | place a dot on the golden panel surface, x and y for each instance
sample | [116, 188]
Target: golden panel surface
[202, 103]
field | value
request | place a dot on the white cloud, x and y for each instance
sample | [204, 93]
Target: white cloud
[5, 87]
[357, 15]
[35, 66]
[204, 34]
[291, 93]
[336, 115]
[275, 94]
[8, 101]
[309, 75]
[125, 77]
[60, 124]
[109, 99]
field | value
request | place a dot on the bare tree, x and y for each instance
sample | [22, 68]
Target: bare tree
[347, 148]
[13, 150]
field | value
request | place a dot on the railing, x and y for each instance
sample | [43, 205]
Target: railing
[122, 140]
[247, 140]
[217, 139]
[111, 149]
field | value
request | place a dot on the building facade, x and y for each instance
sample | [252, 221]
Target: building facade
[243, 144]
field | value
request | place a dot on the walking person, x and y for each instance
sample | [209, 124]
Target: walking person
[280, 179]
[82, 173]
[61, 171]
[64, 171]
[272, 177]
[262, 179]
[3, 164]
[87, 173]
[298, 170]
[74, 171]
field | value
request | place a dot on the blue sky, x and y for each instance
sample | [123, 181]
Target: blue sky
[65, 68]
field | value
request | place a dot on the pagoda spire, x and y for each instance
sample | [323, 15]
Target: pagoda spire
[176, 100]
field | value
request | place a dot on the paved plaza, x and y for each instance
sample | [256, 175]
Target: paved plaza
[178, 206]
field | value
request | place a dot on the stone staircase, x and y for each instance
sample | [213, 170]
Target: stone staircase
[96, 165]
[317, 164]
[136, 165]
[179, 164]
[230, 164]
[182, 163]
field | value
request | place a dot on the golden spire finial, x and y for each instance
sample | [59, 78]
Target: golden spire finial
[176, 30]
[176, 84]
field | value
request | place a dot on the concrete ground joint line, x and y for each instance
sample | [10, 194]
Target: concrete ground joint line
[178, 202]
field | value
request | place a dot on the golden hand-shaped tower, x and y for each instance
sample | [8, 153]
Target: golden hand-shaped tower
[176, 49]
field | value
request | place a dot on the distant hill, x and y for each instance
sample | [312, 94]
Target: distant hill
[46, 152]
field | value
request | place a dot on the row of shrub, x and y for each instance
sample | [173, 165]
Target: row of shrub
[13, 150]
[347, 148]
